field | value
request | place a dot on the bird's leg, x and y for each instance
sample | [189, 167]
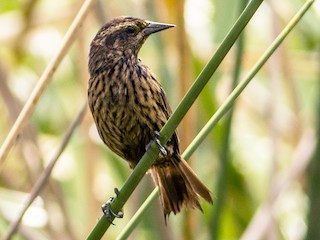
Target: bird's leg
[107, 211]
[159, 145]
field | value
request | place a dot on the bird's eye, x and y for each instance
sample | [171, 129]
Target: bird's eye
[130, 30]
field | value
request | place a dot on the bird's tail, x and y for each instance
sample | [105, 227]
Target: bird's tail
[179, 186]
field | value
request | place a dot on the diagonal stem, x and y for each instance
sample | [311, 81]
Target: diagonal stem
[45, 175]
[43, 82]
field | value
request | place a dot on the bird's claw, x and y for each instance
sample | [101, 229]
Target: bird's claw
[159, 145]
[161, 148]
[108, 212]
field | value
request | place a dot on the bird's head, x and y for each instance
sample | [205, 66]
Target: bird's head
[126, 34]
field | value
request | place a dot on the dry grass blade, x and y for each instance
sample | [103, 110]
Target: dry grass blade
[45, 175]
[42, 84]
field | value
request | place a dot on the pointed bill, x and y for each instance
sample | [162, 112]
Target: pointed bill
[154, 27]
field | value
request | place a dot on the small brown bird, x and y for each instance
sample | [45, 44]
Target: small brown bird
[130, 107]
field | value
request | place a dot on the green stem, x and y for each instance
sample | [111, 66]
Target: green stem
[220, 112]
[150, 156]
[224, 153]
[313, 223]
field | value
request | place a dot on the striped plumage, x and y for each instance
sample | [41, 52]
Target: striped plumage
[128, 105]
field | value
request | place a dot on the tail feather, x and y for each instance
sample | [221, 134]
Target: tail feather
[179, 186]
[195, 182]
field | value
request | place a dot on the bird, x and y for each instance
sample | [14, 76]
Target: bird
[129, 108]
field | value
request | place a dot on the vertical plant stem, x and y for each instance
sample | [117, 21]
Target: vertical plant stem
[313, 231]
[187, 128]
[225, 152]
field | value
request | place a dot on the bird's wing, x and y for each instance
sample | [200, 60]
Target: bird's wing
[163, 102]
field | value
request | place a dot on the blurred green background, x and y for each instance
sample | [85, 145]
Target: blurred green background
[261, 164]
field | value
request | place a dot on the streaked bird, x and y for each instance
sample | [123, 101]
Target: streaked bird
[130, 107]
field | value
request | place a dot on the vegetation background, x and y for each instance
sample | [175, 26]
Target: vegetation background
[260, 162]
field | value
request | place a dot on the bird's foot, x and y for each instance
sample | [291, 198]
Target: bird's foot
[159, 145]
[161, 148]
[107, 211]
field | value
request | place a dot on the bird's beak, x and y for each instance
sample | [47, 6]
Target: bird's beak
[154, 27]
